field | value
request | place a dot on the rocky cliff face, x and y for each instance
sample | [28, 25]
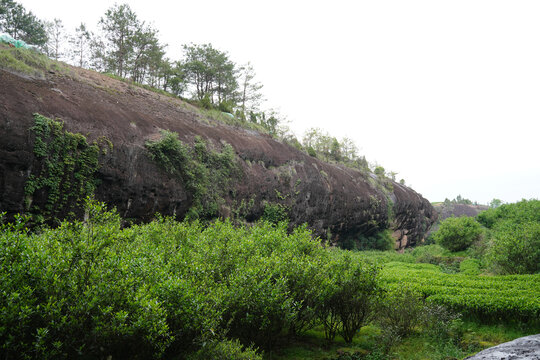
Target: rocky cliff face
[446, 210]
[333, 200]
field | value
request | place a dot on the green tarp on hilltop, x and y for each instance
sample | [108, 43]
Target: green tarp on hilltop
[6, 39]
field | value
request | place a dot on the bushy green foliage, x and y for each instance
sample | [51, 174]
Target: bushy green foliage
[441, 323]
[64, 173]
[76, 298]
[348, 296]
[513, 245]
[275, 213]
[400, 311]
[521, 212]
[458, 234]
[425, 253]
[437, 255]
[226, 106]
[515, 248]
[311, 151]
[206, 173]
[470, 267]
[205, 102]
[164, 289]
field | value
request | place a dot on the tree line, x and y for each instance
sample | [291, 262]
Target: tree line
[127, 47]
[21, 24]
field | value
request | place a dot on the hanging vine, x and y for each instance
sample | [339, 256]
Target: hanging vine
[63, 173]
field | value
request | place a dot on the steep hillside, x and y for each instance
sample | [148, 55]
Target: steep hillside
[334, 200]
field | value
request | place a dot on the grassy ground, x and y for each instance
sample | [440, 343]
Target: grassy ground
[313, 345]
[418, 346]
[28, 62]
[470, 335]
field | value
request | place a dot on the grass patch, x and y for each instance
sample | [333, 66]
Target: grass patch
[142, 86]
[28, 62]
[217, 115]
[206, 114]
[313, 345]
[418, 346]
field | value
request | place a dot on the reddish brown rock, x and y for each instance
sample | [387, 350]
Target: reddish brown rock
[332, 199]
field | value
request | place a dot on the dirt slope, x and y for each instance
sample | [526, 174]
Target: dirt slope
[332, 199]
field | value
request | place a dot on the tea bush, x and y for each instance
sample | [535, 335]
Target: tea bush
[456, 234]
[401, 310]
[169, 289]
[348, 296]
[510, 297]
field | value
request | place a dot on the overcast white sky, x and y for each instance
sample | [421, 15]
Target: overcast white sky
[445, 93]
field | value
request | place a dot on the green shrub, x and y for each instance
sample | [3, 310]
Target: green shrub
[437, 255]
[304, 279]
[275, 213]
[469, 267]
[441, 324]
[205, 102]
[401, 310]
[94, 290]
[428, 253]
[76, 297]
[258, 305]
[205, 173]
[348, 296]
[225, 350]
[226, 106]
[457, 234]
[515, 248]
[513, 245]
[521, 212]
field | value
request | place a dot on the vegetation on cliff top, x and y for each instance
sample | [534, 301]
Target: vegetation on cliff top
[129, 49]
[27, 62]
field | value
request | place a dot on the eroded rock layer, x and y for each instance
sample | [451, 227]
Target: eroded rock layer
[334, 200]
